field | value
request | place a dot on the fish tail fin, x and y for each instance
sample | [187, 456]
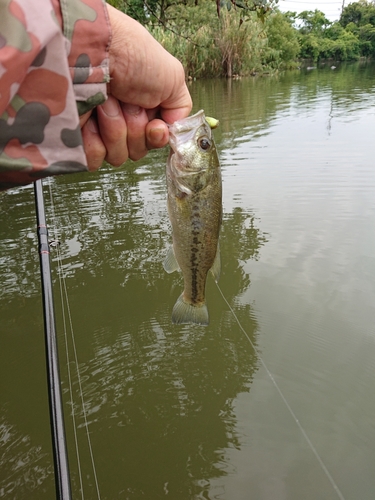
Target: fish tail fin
[183, 313]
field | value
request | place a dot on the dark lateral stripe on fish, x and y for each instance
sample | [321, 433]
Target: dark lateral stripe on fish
[193, 256]
[194, 285]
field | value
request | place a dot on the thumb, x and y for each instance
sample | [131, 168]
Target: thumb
[178, 105]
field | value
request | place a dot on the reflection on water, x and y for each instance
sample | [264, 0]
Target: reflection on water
[188, 412]
[165, 392]
[23, 465]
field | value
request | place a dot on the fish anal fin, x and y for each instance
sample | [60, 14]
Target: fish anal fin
[184, 313]
[170, 263]
[216, 266]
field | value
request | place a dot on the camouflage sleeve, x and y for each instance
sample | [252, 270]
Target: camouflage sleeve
[53, 58]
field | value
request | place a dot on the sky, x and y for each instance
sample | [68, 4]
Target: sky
[331, 8]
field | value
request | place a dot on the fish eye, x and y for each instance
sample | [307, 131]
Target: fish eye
[204, 144]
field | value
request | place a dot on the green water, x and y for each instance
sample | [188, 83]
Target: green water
[186, 412]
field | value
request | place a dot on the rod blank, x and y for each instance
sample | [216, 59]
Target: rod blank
[60, 456]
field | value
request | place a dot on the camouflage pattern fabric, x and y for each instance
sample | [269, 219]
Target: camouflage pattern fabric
[53, 59]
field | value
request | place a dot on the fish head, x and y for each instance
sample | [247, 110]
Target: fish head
[193, 153]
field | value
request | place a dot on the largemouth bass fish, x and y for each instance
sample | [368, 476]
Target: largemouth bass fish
[195, 212]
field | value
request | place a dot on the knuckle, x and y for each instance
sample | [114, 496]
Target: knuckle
[95, 155]
[117, 158]
[138, 155]
[116, 162]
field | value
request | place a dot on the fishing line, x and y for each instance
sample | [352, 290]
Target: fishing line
[65, 300]
[276, 385]
[69, 376]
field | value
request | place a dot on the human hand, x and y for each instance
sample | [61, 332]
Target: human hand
[146, 82]
[115, 132]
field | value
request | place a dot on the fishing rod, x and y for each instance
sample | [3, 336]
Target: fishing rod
[60, 455]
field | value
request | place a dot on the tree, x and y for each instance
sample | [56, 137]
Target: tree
[344, 47]
[360, 13]
[145, 11]
[140, 10]
[359, 19]
[366, 37]
[313, 21]
[282, 40]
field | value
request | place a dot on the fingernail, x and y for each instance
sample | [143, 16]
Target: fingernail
[92, 125]
[111, 107]
[131, 109]
[156, 135]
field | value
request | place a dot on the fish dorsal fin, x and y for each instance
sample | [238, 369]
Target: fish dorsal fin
[170, 263]
[216, 266]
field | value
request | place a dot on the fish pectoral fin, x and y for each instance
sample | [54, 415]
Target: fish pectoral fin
[170, 263]
[184, 313]
[216, 266]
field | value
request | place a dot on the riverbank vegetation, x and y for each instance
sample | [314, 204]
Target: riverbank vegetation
[240, 37]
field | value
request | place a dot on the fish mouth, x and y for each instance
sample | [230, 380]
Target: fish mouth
[189, 122]
[183, 131]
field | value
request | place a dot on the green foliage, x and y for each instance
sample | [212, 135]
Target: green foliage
[189, 36]
[346, 47]
[146, 11]
[239, 37]
[283, 46]
[208, 46]
[366, 36]
[359, 13]
[358, 18]
[313, 22]
[350, 38]
[240, 44]
[119, 4]
[340, 45]
[310, 47]
[135, 9]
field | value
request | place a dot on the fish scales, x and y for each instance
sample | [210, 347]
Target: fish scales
[195, 222]
[195, 211]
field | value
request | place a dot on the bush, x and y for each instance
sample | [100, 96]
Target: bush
[344, 48]
[209, 46]
[310, 47]
[283, 46]
[240, 43]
